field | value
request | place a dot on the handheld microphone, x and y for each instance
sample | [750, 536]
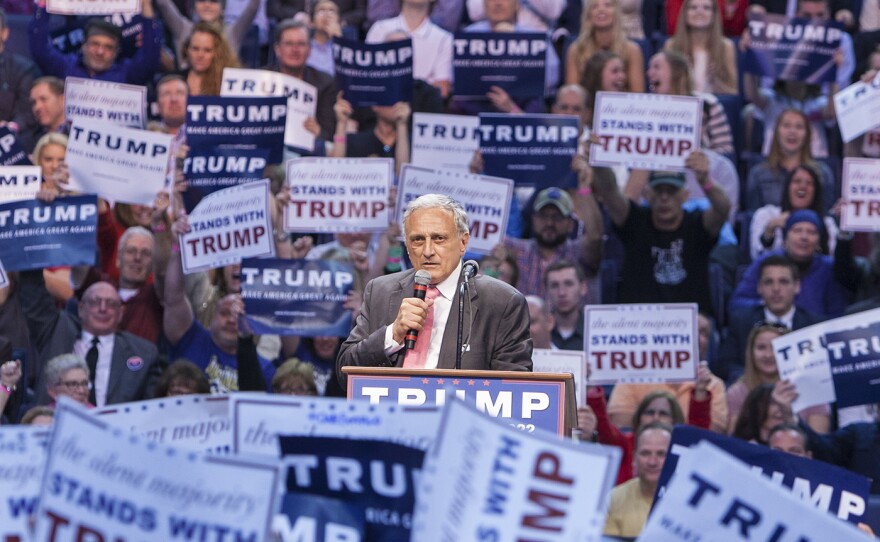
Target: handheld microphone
[423, 279]
[471, 268]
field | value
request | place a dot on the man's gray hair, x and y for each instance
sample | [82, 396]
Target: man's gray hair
[539, 303]
[288, 24]
[131, 232]
[57, 366]
[438, 201]
[573, 87]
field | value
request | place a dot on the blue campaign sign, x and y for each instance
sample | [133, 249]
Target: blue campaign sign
[210, 169]
[515, 62]
[534, 150]
[374, 73]
[70, 37]
[793, 49]
[34, 234]
[378, 475]
[11, 152]
[837, 491]
[312, 517]
[241, 123]
[855, 365]
[297, 297]
[525, 404]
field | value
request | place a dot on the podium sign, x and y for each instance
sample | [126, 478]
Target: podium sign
[528, 401]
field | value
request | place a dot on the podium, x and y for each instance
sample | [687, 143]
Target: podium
[528, 401]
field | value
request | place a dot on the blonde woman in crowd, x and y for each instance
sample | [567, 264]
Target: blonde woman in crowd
[602, 29]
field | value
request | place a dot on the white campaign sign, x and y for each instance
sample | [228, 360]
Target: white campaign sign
[4, 278]
[338, 194]
[645, 131]
[483, 480]
[104, 101]
[228, 225]
[19, 182]
[445, 141]
[485, 199]
[545, 360]
[117, 163]
[302, 99]
[93, 7]
[858, 108]
[23, 449]
[641, 343]
[713, 496]
[861, 195]
[258, 419]
[104, 484]
[192, 422]
[802, 358]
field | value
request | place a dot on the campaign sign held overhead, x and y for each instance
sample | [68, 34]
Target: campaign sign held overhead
[374, 73]
[34, 234]
[378, 475]
[227, 226]
[24, 458]
[302, 99]
[514, 61]
[258, 419]
[533, 150]
[793, 49]
[641, 343]
[338, 194]
[192, 422]
[308, 517]
[19, 182]
[445, 141]
[11, 152]
[861, 195]
[483, 480]
[92, 7]
[831, 489]
[824, 359]
[243, 123]
[716, 497]
[128, 489]
[118, 163]
[215, 168]
[297, 297]
[105, 101]
[857, 108]
[485, 199]
[70, 37]
[646, 131]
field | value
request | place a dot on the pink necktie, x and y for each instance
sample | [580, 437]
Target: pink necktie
[416, 358]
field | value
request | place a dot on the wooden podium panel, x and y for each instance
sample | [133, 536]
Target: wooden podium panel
[528, 400]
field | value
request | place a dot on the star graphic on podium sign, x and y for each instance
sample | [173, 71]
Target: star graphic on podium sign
[455, 382]
[440, 381]
[485, 382]
[425, 381]
[470, 382]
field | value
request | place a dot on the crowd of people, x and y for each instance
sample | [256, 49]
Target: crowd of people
[749, 232]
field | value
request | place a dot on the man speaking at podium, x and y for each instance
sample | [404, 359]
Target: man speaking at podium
[495, 331]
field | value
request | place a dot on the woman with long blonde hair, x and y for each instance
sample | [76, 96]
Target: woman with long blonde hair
[761, 370]
[207, 53]
[699, 39]
[602, 29]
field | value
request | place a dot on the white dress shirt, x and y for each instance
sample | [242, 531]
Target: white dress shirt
[105, 359]
[442, 308]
